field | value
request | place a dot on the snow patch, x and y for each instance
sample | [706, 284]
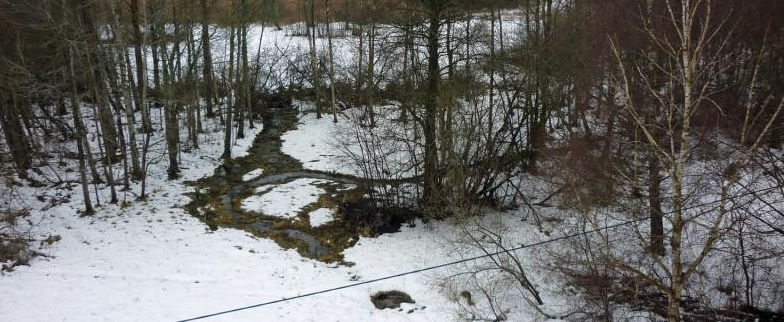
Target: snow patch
[312, 144]
[252, 175]
[321, 216]
[284, 200]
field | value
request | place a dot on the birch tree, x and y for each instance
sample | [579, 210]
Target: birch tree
[695, 56]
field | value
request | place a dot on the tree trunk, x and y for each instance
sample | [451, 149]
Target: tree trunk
[654, 202]
[130, 116]
[449, 50]
[80, 136]
[99, 84]
[491, 67]
[246, 90]
[360, 81]
[108, 127]
[141, 66]
[468, 46]
[240, 85]
[171, 104]
[310, 15]
[432, 189]
[14, 134]
[107, 166]
[172, 138]
[104, 123]
[230, 100]
[209, 84]
[371, 69]
[333, 104]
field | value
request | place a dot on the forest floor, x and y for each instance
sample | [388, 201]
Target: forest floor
[152, 260]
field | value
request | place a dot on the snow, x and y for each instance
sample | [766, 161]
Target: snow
[252, 175]
[285, 200]
[313, 144]
[320, 217]
[337, 146]
[151, 260]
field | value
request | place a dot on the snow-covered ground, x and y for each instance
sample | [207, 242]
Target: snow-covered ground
[313, 144]
[344, 147]
[152, 261]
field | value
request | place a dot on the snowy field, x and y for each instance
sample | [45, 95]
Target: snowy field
[152, 261]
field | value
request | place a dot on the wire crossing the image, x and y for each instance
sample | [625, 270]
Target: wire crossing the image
[429, 268]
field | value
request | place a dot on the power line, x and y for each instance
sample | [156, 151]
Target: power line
[623, 223]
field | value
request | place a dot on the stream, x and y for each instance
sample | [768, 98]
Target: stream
[217, 198]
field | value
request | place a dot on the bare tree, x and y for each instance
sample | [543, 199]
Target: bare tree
[694, 60]
[208, 84]
[333, 104]
[139, 20]
[309, 8]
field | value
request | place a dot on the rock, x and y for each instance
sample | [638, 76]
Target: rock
[467, 296]
[390, 299]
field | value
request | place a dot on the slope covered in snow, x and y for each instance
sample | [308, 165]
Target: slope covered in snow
[151, 260]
